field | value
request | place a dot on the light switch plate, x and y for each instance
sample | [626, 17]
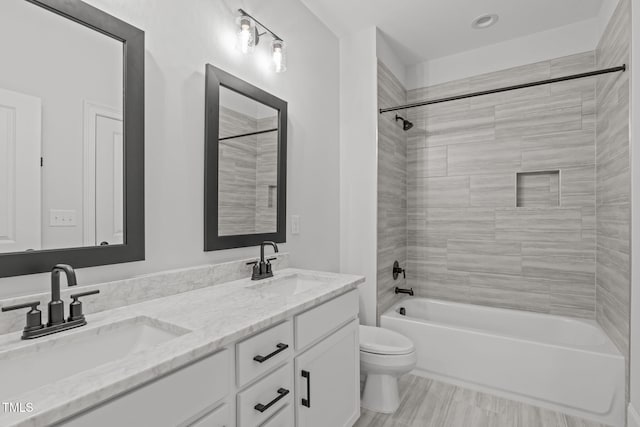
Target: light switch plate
[295, 224]
[62, 218]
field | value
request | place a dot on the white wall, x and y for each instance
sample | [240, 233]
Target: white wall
[634, 386]
[359, 163]
[69, 66]
[181, 37]
[388, 56]
[575, 38]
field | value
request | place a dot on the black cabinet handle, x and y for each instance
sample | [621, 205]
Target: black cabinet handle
[280, 348]
[282, 392]
[307, 402]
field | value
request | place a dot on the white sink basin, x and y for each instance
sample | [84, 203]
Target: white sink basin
[289, 285]
[49, 360]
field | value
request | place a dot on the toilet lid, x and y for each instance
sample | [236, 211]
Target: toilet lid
[383, 341]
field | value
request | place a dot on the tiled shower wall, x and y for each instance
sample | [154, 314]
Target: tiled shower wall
[471, 163]
[237, 174]
[392, 188]
[613, 182]
[267, 177]
[465, 238]
[248, 174]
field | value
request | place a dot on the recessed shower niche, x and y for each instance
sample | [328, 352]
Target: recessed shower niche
[540, 189]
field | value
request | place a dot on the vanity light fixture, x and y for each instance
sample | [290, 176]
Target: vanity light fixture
[249, 36]
[279, 55]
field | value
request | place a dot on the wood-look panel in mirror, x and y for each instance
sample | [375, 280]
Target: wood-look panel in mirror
[245, 163]
[71, 136]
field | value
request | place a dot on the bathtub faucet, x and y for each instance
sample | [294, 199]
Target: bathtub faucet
[404, 291]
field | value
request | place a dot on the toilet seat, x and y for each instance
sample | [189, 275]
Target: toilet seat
[384, 341]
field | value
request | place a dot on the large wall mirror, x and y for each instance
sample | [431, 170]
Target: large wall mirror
[246, 140]
[71, 137]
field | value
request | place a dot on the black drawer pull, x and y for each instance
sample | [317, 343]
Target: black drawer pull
[307, 402]
[280, 348]
[282, 392]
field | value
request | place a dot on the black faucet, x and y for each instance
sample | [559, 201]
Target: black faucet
[262, 269]
[56, 306]
[57, 322]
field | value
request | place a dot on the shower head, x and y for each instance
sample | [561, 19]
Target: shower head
[406, 124]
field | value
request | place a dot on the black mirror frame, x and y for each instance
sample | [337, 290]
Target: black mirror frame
[21, 263]
[215, 77]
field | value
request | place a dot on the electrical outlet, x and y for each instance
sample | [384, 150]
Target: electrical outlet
[295, 224]
[62, 218]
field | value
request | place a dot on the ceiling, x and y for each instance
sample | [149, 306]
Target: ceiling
[420, 30]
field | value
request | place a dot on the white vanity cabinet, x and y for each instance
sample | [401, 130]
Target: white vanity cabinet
[327, 365]
[303, 372]
[173, 400]
[328, 381]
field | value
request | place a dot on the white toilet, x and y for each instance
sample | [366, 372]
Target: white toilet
[385, 355]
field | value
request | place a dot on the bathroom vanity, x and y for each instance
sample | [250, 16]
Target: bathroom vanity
[277, 352]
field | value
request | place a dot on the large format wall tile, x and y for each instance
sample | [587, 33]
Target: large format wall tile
[481, 158]
[551, 151]
[613, 181]
[484, 256]
[466, 239]
[556, 113]
[546, 225]
[392, 188]
[474, 125]
[496, 190]
[425, 162]
[445, 192]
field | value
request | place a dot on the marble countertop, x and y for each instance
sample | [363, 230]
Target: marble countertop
[216, 316]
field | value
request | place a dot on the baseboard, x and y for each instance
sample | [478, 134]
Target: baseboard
[633, 418]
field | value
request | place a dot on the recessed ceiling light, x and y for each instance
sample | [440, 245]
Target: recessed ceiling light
[484, 21]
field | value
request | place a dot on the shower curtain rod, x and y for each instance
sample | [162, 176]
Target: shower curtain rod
[506, 89]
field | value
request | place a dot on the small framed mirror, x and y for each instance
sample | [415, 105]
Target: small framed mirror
[245, 163]
[71, 137]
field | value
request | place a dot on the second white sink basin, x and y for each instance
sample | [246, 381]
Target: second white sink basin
[289, 285]
[44, 362]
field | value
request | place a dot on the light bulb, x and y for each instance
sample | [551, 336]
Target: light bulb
[279, 56]
[246, 32]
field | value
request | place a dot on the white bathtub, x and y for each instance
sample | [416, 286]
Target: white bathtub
[564, 364]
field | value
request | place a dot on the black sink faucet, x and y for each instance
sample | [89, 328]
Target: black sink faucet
[262, 269]
[57, 322]
[56, 306]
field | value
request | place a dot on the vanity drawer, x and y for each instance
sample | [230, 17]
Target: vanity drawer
[260, 353]
[272, 392]
[322, 320]
[284, 418]
[168, 401]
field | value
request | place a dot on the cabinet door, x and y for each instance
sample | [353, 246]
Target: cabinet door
[218, 418]
[328, 381]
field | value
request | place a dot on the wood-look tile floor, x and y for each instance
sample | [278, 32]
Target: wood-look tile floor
[429, 403]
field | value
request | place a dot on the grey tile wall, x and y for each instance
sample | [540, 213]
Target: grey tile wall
[613, 182]
[267, 177]
[392, 186]
[237, 174]
[466, 239]
[248, 175]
